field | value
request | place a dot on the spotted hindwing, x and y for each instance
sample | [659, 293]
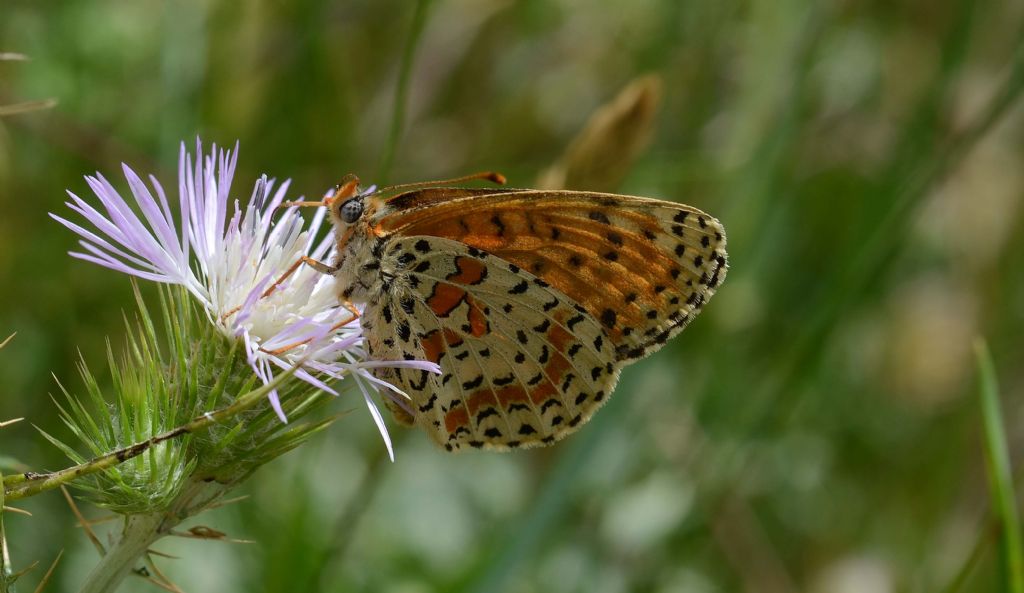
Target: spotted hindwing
[522, 364]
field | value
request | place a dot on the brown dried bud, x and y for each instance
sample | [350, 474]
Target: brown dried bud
[601, 155]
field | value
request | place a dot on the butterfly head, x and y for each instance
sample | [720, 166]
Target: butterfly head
[350, 207]
[347, 202]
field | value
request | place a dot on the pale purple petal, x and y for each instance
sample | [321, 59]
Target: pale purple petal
[164, 234]
[227, 259]
[119, 267]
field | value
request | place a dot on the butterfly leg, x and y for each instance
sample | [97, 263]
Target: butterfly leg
[353, 315]
[319, 266]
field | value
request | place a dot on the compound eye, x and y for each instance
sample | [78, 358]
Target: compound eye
[352, 210]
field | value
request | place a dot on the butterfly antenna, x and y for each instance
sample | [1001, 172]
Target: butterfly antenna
[491, 176]
[348, 187]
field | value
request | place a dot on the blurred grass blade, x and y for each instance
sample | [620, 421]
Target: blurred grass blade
[997, 461]
[419, 20]
[552, 504]
[988, 530]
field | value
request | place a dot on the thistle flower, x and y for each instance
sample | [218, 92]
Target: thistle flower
[240, 265]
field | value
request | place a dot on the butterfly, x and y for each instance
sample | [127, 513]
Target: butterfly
[530, 301]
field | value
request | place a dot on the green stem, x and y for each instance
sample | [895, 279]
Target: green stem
[31, 483]
[139, 532]
[5, 556]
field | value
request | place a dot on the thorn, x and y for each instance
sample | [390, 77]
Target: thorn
[224, 503]
[162, 554]
[232, 540]
[165, 586]
[86, 525]
[49, 572]
[17, 510]
[164, 582]
[100, 520]
[22, 572]
[8, 339]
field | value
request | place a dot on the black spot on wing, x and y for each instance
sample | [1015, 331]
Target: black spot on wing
[500, 381]
[548, 404]
[497, 222]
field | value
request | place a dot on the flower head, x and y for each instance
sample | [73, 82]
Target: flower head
[241, 263]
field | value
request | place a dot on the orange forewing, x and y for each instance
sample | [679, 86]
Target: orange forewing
[620, 257]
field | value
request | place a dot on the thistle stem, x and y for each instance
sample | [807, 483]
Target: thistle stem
[28, 484]
[139, 532]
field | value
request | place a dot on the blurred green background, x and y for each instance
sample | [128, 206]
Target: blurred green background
[817, 429]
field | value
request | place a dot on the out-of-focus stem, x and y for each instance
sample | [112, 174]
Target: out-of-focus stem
[419, 20]
[139, 532]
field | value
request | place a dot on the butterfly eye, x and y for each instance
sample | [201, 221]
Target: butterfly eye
[352, 210]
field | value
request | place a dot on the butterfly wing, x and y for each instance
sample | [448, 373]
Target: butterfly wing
[520, 367]
[643, 268]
